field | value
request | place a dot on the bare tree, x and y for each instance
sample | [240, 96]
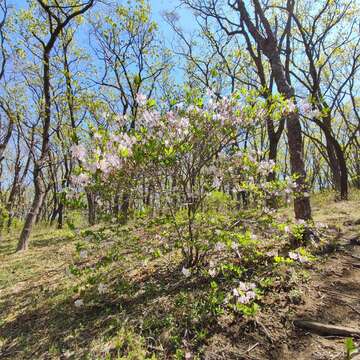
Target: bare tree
[58, 18]
[261, 32]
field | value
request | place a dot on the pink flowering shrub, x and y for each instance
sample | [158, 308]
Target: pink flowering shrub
[188, 155]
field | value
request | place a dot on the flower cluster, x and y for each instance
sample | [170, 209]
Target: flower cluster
[298, 257]
[304, 108]
[78, 152]
[108, 155]
[309, 110]
[244, 293]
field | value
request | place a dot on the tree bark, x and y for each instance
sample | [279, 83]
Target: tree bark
[34, 210]
[302, 206]
[268, 44]
[91, 207]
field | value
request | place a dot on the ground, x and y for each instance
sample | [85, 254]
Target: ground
[148, 309]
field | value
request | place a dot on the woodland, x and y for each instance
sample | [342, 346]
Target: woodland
[180, 179]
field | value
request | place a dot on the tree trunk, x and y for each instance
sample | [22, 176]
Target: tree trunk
[91, 207]
[274, 138]
[268, 44]
[337, 164]
[125, 207]
[116, 208]
[302, 206]
[23, 243]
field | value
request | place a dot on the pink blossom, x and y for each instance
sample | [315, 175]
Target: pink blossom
[78, 152]
[141, 99]
[80, 180]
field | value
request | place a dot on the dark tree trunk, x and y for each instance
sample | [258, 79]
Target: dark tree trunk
[60, 223]
[302, 206]
[116, 208]
[91, 207]
[34, 210]
[268, 44]
[274, 138]
[125, 207]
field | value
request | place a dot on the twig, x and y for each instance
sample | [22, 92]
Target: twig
[250, 348]
[326, 329]
[351, 307]
[265, 331]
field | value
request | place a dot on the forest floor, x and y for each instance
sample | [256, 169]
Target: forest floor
[147, 309]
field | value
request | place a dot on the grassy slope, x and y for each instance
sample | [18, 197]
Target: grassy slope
[149, 308]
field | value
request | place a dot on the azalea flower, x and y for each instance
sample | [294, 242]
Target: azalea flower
[315, 113]
[272, 253]
[219, 246]
[244, 293]
[141, 99]
[80, 180]
[97, 136]
[305, 107]
[216, 182]
[291, 107]
[79, 303]
[212, 272]
[243, 299]
[298, 257]
[186, 272]
[78, 152]
[102, 289]
[83, 254]
[188, 355]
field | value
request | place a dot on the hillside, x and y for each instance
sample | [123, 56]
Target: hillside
[112, 292]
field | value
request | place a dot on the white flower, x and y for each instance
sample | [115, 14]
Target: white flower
[79, 303]
[102, 289]
[293, 255]
[188, 355]
[305, 107]
[141, 99]
[251, 295]
[68, 354]
[83, 254]
[302, 259]
[287, 229]
[243, 299]
[219, 246]
[186, 272]
[315, 113]
[272, 253]
[235, 292]
[216, 182]
[242, 286]
[180, 106]
[234, 246]
[78, 152]
[80, 180]
[291, 106]
[97, 136]
[212, 272]
[298, 257]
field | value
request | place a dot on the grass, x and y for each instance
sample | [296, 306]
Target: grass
[150, 310]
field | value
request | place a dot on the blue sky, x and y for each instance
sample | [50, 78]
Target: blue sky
[158, 7]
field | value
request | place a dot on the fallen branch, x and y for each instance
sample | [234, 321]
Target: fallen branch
[326, 329]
